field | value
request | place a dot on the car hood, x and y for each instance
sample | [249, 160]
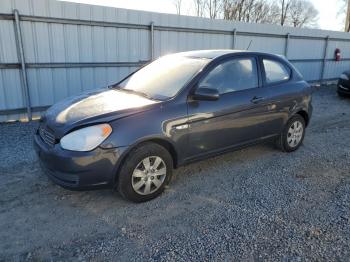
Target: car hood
[105, 104]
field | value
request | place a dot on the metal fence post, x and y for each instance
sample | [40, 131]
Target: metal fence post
[324, 59]
[234, 38]
[152, 40]
[23, 71]
[286, 46]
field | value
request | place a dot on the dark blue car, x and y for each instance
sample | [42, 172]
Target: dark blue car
[178, 109]
[344, 84]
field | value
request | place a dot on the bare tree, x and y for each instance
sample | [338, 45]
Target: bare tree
[346, 11]
[238, 10]
[230, 9]
[285, 5]
[257, 11]
[260, 11]
[265, 13]
[297, 13]
[178, 4]
[302, 13]
[246, 10]
[213, 8]
[199, 7]
[272, 16]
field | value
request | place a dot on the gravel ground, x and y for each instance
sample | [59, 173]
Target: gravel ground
[252, 204]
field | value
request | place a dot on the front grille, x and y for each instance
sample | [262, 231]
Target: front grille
[47, 136]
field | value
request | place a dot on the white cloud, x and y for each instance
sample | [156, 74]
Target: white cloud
[329, 17]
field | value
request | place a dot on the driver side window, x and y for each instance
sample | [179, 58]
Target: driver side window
[233, 75]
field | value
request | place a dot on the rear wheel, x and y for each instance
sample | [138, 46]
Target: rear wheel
[146, 171]
[292, 135]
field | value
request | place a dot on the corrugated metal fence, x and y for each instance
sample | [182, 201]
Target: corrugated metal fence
[51, 49]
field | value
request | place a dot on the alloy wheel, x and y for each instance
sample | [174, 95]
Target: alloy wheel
[295, 133]
[149, 175]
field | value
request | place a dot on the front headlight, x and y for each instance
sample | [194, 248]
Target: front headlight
[87, 138]
[344, 77]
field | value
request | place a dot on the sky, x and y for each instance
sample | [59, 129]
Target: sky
[329, 18]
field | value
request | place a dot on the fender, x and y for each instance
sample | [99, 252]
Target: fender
[155, 139]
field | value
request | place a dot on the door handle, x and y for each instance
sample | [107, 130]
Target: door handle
[256, 99]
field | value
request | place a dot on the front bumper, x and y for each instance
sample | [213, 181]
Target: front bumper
[79, 170]
[343, 86]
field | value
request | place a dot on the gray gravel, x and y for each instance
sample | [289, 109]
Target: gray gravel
[253, 204]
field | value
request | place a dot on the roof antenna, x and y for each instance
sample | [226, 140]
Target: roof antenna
[249, 44]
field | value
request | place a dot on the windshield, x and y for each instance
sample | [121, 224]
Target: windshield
[163, 78]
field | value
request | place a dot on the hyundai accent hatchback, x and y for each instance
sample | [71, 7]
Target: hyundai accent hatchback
[180, 108]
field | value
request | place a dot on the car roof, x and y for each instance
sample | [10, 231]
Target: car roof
[211, 54]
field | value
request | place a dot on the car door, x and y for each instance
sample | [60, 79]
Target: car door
[282, 93]
[236, 117]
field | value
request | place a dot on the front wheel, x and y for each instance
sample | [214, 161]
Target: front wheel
[146, 171]
[292, 135]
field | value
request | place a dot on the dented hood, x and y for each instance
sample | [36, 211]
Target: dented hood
[105, 103]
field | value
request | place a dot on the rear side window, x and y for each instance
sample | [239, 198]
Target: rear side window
[275, 71]
[233, 75]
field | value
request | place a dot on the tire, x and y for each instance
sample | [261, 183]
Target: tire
[139, 179]
[285, 142]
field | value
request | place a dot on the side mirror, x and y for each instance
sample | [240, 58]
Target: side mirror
[206, 94]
